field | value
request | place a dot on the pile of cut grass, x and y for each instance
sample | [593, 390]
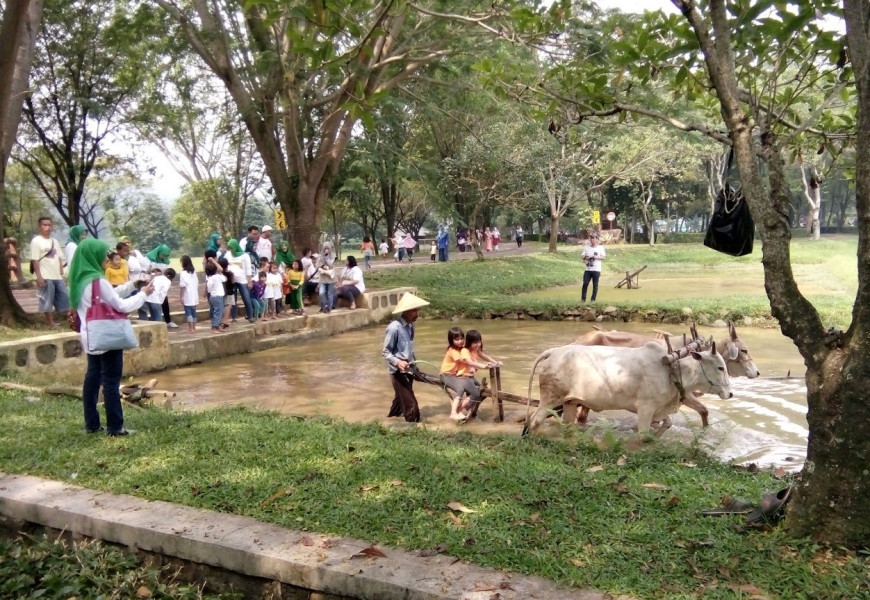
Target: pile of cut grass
[619, 520]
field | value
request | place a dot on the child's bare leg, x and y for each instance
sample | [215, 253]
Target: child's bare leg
[454, 407]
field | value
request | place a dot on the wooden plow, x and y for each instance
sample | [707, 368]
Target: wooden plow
[631, 280]
[490, 388]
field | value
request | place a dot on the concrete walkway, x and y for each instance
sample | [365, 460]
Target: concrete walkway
[321, 563]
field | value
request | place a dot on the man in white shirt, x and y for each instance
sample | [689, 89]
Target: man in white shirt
[264, 245]
[593, 254]
[46, 260]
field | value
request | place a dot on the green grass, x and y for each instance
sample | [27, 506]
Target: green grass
[59, 570]
[540, 506]
[472, 288]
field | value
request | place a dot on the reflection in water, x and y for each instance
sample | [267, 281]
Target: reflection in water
[345, 376]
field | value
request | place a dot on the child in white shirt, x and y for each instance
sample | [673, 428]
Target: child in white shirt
[162, 281]
[214, 285]
[274, 282]
[189, 284]
[383, 249]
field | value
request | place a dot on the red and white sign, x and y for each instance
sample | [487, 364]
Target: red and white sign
[611, 216]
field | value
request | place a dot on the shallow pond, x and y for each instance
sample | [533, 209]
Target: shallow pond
[345, 376]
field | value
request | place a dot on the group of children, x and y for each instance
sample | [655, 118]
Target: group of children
[268, 291]
[463, 358]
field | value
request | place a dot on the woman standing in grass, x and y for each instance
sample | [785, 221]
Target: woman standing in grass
[104, 368]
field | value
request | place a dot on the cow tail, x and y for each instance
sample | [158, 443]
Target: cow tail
[529, 394]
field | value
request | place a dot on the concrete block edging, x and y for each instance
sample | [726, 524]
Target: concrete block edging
[316, 562]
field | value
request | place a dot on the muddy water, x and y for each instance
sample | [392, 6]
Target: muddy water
[345, 376]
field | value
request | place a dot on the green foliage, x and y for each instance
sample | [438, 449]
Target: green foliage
[60, 570]
[152, 227]
[540, 506]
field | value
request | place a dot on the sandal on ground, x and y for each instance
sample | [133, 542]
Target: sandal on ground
[735, 507]
[771, 509]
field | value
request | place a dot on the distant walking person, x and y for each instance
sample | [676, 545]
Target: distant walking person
[593, 254]
[46, 262]
[519, 236]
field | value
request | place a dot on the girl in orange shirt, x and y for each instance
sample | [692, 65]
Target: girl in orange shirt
[457, 374]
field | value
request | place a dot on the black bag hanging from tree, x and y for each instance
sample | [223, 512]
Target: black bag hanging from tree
[731, 230]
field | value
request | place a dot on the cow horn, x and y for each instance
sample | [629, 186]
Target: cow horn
[713, 349]
[732, 330]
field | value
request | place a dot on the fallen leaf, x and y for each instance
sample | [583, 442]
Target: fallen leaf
[620, 487]
[367, 488]
[695, 568]
[674, 501]
[397, 483]
[724, 572]
[307, 541]
[535, 518]
[504, 585]
[779, 473]
[691, 465]
[482, 587]
[456, 520]
[143, 592]
[656, 486]
[578, 563]
[595, 469]
[276, 496]
[460, 507]
[747, 588]
[621, 461]
[370, 551]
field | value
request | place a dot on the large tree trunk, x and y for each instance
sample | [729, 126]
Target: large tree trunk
[830, 502]
[554, 232]
[17, 35]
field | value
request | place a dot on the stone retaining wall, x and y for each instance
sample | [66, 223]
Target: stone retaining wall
[60, 357]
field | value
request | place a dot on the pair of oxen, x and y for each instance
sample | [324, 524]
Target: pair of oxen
[617, 370]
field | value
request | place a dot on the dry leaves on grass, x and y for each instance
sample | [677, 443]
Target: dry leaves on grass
[456, 520]
[595, 469]
[370, 551]
[458, 506]
[656, 486]
[621, 461]
[143, 592]
[753, 592]
[307, 540]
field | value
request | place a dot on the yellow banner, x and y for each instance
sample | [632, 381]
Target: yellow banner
[596, 217]
[280, 221]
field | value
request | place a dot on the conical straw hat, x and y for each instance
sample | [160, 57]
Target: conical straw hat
[409, 302]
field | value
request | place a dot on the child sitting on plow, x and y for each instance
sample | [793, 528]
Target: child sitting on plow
[457, 372]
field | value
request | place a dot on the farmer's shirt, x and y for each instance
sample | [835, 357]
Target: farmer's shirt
[398, 343]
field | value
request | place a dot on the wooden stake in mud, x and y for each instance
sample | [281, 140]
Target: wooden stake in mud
[495, 378]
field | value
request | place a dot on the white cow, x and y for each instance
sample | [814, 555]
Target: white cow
[634, 379]
[738, 360]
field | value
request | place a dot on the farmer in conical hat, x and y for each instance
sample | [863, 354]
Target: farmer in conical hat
[399, 354]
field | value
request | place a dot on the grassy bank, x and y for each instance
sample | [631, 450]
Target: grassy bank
[60, 570]
[618, 519]
[471, 288]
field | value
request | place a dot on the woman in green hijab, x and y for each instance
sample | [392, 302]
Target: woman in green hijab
[104, 368]
[285, 255]
[159, 258]
[214, 242]
[76, 234]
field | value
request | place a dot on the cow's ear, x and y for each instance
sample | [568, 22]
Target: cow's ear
[696, 355]
[733, 351]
